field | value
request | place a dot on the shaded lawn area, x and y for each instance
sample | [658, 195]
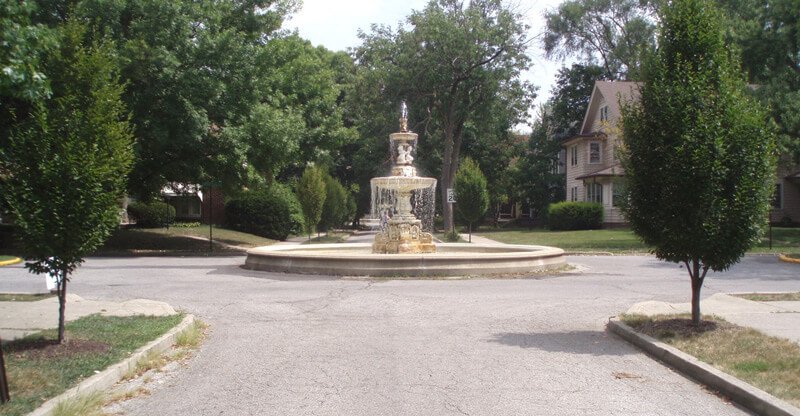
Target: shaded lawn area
[328, 238]
[611, 240]
[769, 363]
[622, 240]
[38, 369]
[190, 239]
[6, 258]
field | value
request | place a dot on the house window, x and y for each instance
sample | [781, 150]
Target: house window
[573, 155]
[594, 152]
[604, 113]
[617, 193]
[573, 194]
[777, 197]
[594, 193]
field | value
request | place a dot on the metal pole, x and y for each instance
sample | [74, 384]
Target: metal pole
[211, 218]
[770, 235]
[4, 397]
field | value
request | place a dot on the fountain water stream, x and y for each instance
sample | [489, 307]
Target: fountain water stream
[398, 199]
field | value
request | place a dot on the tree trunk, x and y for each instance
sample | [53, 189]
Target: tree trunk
[470, 232]
[4, 397]
[697, 284]
[62, 305]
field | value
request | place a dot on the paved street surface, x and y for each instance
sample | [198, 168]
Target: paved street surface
[284, 344]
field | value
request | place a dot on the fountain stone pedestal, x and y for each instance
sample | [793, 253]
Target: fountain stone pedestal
[403, 232]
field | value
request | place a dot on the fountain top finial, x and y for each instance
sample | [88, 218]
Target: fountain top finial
[404, 117]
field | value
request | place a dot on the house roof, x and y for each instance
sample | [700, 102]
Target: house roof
[610, 93]
[615, 170]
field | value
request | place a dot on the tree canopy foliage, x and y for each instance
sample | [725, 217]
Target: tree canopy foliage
[614, 34]
[215, 90]
[699, 154]
[458, 65]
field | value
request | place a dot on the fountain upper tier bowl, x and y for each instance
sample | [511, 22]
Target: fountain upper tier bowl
[451, 259]
[403, 183]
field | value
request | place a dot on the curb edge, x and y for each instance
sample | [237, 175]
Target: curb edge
[746, 395]
[787, 259]
[111, 375]
[10, 262]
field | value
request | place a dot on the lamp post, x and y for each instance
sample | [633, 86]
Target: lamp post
[210, 185]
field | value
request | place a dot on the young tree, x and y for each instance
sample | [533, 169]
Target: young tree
[311, 194]
[699, 156]
[472, 197]
[335, 209]
[65, 168]
[459, 66]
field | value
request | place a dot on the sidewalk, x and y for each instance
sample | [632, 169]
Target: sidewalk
[18, 319]
[780, 319]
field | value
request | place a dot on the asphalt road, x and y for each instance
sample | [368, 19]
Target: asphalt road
[284, 344]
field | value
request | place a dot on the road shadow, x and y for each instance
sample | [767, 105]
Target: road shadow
[597, 343]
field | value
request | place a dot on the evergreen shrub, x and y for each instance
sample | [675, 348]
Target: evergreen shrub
[272, 213]
[564, 216]
[155, 214]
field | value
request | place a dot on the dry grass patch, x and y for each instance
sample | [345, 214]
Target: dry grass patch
[769, 363]
[87, 405]
[770, 297]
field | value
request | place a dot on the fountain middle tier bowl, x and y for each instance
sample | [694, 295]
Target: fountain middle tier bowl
[403, 183]
[451, 259]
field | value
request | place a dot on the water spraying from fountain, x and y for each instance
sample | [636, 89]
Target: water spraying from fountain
[404, 202]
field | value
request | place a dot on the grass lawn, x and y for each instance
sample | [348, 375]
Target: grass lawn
[179, 239]
[328, 238]
[24, 297]
[38, 369]
[770, 297]
[769, 363]
[611, 240]
[6, 258]
[622, 240]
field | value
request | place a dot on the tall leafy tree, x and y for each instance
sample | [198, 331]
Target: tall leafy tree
[20, 52]
[458, 65]
[536, 176]
[311, 194]
[768, 34]
[614, 34]
[65, 167]
[699, 154]
[570, 98]
[472, 197]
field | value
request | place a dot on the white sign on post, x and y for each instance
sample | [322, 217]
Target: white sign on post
[451, 196]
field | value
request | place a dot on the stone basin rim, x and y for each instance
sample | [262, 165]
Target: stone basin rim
[458, 250]
[451, 259]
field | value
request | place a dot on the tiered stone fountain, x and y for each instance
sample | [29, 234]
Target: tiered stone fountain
[403, 245]
[403, 233]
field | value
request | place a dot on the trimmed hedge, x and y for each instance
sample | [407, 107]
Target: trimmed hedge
[273, 213]
[564, 216]
[155, 214]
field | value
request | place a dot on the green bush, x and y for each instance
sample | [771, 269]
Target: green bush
[272, 213]
[452, 237]
[575, 216]
[154, 214]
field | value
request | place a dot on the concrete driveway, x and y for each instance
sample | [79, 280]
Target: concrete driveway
[283, 344]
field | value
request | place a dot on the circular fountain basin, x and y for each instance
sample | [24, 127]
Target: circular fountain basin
[403, 183]
[450, 259]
